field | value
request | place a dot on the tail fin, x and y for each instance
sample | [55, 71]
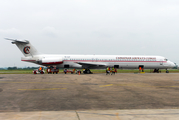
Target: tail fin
[25, 47]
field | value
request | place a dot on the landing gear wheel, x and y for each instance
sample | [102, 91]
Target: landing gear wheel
[167, 71]
[87, 71]
[156, 71]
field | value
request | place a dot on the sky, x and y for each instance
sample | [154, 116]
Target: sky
[101, 27]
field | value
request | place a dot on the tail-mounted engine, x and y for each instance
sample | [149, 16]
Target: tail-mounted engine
[50, 61]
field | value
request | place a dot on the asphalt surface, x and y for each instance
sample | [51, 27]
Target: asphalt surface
[60, 92]
[142, 114]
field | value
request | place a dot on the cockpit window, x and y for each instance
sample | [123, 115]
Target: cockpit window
[166, 59]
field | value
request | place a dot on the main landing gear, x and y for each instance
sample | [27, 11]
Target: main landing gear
[87, 71]
[158, 71]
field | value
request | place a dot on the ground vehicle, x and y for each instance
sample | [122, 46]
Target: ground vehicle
[72, 71]
[68, 71]
[53, 70]
[36, 71]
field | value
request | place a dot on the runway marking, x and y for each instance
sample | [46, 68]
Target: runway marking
[140, 85]
[36, 82]
[43, 89]
[17, 117]
[137, 85]
[77, 115]
[40, 116]
[117, 115]
[106, 85]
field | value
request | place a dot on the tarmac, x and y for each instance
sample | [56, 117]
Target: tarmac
[124, 96]
[143, 114]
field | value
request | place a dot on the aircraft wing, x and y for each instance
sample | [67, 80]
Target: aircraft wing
[92, 64]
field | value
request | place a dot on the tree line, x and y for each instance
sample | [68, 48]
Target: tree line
[16, 68]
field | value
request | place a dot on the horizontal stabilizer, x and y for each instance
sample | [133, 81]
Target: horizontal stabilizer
[18, 41]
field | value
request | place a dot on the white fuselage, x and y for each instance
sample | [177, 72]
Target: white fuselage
[91, 61]
[101, 61]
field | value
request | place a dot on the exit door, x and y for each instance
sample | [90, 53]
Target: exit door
[161, 62]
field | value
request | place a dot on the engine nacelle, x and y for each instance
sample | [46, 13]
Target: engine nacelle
[50, 61]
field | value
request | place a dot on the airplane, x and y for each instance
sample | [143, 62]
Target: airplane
[88, 62]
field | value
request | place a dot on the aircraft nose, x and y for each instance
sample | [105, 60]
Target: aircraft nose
[173, 64]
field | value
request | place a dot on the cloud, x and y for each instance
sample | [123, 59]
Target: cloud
[88, 26]
[12, 33]
[50, 31]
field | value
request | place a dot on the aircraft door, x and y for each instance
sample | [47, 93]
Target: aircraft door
[116, 66]
[161, 62]
[142, 66]
[66, 66]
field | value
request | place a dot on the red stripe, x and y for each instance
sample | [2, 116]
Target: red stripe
[28, 60]
[52, 63]
[108, 61]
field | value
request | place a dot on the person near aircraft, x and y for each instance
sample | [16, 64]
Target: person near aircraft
[107, 70]
[113, 71]
[140, 69]
[40, 69]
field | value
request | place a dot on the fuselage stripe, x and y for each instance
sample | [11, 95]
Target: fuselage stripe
[110, 61]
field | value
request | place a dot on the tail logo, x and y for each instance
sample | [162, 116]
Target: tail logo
[27, 49]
